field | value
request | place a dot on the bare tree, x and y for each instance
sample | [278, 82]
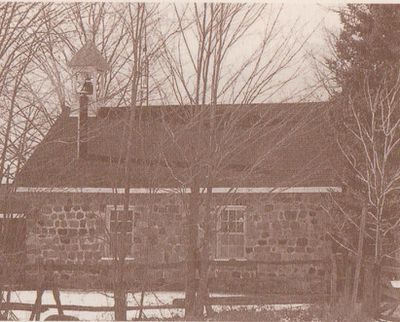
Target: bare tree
[369, 141]
[201, 76]
[136, 20]
[20, 35]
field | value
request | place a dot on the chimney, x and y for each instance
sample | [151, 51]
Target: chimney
[83, 127]
[83, 118]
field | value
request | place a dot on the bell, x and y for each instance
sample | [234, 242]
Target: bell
[87, 88]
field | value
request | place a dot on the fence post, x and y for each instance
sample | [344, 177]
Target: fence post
[39, 291]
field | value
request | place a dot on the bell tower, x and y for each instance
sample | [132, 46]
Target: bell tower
[87, 65]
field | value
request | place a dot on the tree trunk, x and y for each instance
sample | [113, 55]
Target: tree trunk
[372, 289]
[191, 252]
[119, 292]
[120, 304]
[347, 278]
[377, 288]
[120, 287]
[372, 284]
[203, 297]
[333, 280]
[357, 270]
[377, 271]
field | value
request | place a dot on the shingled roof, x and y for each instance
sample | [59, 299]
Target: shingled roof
[270, 145]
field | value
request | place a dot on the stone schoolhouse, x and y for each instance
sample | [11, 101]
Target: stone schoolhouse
[266, 197]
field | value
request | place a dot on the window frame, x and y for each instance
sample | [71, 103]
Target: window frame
[107, 252]
[218, 253]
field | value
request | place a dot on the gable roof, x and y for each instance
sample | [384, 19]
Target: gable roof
[270, 145]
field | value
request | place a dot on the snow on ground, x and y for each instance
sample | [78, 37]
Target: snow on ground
[106, 299]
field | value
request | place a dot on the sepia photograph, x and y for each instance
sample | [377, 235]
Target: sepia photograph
[199, 161]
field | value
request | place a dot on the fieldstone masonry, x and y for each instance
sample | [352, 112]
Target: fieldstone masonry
[70, 228]
[65, 234]
[284, 228]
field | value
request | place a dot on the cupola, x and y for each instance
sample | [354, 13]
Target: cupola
[87, 66]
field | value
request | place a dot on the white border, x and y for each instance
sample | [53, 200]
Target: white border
[182, 190]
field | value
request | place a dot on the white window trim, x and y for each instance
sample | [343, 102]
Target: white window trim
[13, 216]
[232, 207]
[218, 243]
[119, 207]
[242, 259]
[109, 259]
[108, 210]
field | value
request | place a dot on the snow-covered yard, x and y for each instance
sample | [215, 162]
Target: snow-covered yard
[106, 299]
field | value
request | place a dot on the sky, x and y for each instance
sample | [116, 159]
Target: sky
[306, 24]
[318, 19]
[314, 20]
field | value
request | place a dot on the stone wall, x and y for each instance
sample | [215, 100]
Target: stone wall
[283, 227]
[70, 229]
[65, 233]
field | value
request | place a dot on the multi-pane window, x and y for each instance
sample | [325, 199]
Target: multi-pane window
[120, 227]
[230, 237]
[12, 233]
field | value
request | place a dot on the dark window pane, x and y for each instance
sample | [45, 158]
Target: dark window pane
[128, 226]
[224, 239]
[236, 251]
[240, 227]
[113, 215]
[237, 239]
[123, 217]
[224, 215]
[224, 253]
[232, 215]
[128, 239]
[124, 226]
[224, 227]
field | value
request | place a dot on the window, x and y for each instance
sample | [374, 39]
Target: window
[230, 236]
[120, 227]
[12, 247]
[12, 234]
